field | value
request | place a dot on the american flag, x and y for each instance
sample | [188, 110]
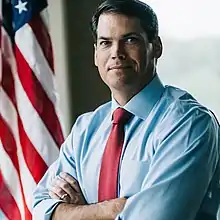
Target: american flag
[30, 131]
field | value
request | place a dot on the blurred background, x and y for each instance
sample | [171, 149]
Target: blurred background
[191, 36]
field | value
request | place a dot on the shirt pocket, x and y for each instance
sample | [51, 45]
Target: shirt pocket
[131, 177]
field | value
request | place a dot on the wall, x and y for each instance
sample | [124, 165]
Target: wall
[80, 86]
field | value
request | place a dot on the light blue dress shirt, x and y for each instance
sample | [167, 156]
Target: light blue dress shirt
[168, 167]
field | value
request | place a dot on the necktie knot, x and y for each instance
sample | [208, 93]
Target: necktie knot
[121, 116]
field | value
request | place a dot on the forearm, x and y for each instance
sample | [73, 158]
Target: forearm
[107, 210]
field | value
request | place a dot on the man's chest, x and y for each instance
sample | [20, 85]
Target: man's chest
[133, 166]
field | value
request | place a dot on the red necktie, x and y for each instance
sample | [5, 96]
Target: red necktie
[108, 178]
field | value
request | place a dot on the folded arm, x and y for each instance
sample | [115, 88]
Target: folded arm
[66, 187]
[47, 208]
[107, 210]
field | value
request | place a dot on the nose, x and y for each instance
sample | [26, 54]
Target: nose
[118, 51]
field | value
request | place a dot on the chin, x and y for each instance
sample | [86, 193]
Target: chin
[121, 84]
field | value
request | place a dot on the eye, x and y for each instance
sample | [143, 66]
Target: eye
[104, 43]
[131, 40]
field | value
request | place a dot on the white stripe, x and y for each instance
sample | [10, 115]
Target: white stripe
[0, 65]
[27, 180]
[38, 63]
[2, 216]
[45, 18]
[35, 127]
[8, 111]
[1, 40]
[11, 179]
[39, 135]
[32, 52]
[9, 114]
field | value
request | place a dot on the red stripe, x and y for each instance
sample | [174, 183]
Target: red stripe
[31, 156]
[38, 98]
[9, 143]
[6, 135]
[8, 140]
[1, 68]
[7, 80]
[43, 38]
[7, 202]
[35, 163]
[10, 147]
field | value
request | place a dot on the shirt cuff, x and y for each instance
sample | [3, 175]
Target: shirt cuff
[44, 209]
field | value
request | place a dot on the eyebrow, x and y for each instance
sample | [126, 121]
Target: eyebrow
[104, 38]
[131, 34]
[123, 36]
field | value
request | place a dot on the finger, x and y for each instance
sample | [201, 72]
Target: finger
[57, 190]
[64, 199]
[65, 186]
[53, 195]
[74, 198]
[73, 182]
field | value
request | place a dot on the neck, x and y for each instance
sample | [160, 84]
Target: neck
[123, 97]
[126, 94]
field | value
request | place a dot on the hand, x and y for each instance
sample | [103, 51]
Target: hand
[66, 188]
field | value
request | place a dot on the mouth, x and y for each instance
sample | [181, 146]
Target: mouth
[119, 67]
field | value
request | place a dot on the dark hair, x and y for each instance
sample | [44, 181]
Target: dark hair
[131, 8]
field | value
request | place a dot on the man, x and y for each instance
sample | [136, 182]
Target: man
[151, 153]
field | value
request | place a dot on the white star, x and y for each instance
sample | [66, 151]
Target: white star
[21, 6]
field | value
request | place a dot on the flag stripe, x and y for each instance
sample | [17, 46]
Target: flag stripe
[2, 215]
[41, 138]
[31, 155]
[43, 38]
[10, 116]
[11, 195]
[38, 97]
[7, 80]
[31, 51]
[1, 68]
[6, 136]
[30, 131]
[11, 210]
[9, 145]
[29, 150]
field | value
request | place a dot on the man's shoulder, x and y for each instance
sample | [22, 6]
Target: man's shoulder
[184, 118]
[180, 106]
[181, 102]
[93, 117]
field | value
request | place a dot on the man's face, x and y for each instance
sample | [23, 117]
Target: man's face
[123, 54]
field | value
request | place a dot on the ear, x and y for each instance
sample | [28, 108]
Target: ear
[95, 54]
[157, 47]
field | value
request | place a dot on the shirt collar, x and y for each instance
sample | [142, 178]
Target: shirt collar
[143, 102]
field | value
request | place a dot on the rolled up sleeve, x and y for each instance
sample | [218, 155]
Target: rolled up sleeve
[43, 205]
